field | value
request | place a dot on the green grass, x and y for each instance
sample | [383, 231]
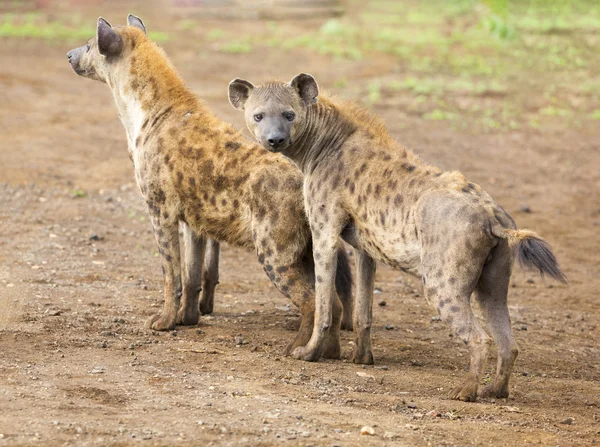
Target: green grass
[35, 26]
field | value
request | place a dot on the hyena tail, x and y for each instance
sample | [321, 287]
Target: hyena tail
[533, 252]
[343, 287]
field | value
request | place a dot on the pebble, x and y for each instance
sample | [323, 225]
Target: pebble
[525, 209]
[367, 430]
[436, 318]
[523, 327]
[389, 327]
[389, 435]
[377, 290]
[239, 340]
[411, 427]
[568, 421]
[382, 303]
[432, 414]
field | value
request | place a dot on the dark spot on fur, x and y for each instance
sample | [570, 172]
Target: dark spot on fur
[192, 181]
[232, 145]
[261, 259]
[282, 269]
[236, 203]
[408, 167]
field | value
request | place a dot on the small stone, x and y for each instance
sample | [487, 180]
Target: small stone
[389, 435]
[412, 406]
[377, 290]
[54, 313]
[568, 421]
[436, 318]
[530, 281]
[389, 327]
[523, 327]
[367, 430]
[382, 303]
[411, 427]
[432, 414]
[239, 340]
[525, 209]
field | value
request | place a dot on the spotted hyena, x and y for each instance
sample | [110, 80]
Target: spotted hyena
[191, 167]
[392, 207]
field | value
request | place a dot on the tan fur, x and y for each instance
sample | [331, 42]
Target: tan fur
[191, 167]
[392, 207]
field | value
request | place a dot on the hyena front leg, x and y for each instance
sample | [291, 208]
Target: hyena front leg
[210, 276]
[325, 255]
[193, 255]
[166, 233]
[363, 311]
[291, 269]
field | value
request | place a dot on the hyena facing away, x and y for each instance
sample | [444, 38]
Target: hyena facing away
[193, 168]
[361, 184]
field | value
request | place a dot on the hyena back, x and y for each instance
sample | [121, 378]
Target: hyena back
[193, 168]
[392, 207]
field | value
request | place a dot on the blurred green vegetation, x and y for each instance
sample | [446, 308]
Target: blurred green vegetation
[473, 59]
[36, 25]
[483, 65]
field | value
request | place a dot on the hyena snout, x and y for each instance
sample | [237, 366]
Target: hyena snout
[276, 140]
[74, 58]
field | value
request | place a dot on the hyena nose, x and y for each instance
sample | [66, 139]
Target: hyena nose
[275, 141]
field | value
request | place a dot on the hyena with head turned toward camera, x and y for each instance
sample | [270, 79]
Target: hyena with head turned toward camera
[361, 184]
[191, 167]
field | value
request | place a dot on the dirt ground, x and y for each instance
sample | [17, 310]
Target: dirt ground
[79, 274]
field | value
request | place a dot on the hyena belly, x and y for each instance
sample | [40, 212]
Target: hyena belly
[389, 237]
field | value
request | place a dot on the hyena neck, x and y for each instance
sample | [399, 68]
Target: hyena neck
[148, 86]
[325, 132]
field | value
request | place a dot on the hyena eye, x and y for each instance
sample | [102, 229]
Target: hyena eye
[258, 117]
[289, 116]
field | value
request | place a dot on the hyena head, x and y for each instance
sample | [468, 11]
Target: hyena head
[276, 112]
[103, 53]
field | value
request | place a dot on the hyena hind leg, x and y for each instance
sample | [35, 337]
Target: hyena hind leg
[492, 293]
[210, 276]
[194, 251]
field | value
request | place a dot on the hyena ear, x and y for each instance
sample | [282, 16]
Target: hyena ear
[306, 86]
[109, 42]
[239, 92]
[136, 21]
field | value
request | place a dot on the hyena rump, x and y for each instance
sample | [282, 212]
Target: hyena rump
[392, 207]
[193, 168]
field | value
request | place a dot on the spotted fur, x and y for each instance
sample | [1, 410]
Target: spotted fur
[392, 207]
[193, 168]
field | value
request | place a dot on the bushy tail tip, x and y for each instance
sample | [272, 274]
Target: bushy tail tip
[532, 251]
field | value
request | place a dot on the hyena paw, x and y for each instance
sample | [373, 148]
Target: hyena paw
[307, 354]
[161, 322]
[467, 392]
[187, 317]
[494, 391]
[332, 348]
[347, 324]
[365, 357]
[206, 306]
